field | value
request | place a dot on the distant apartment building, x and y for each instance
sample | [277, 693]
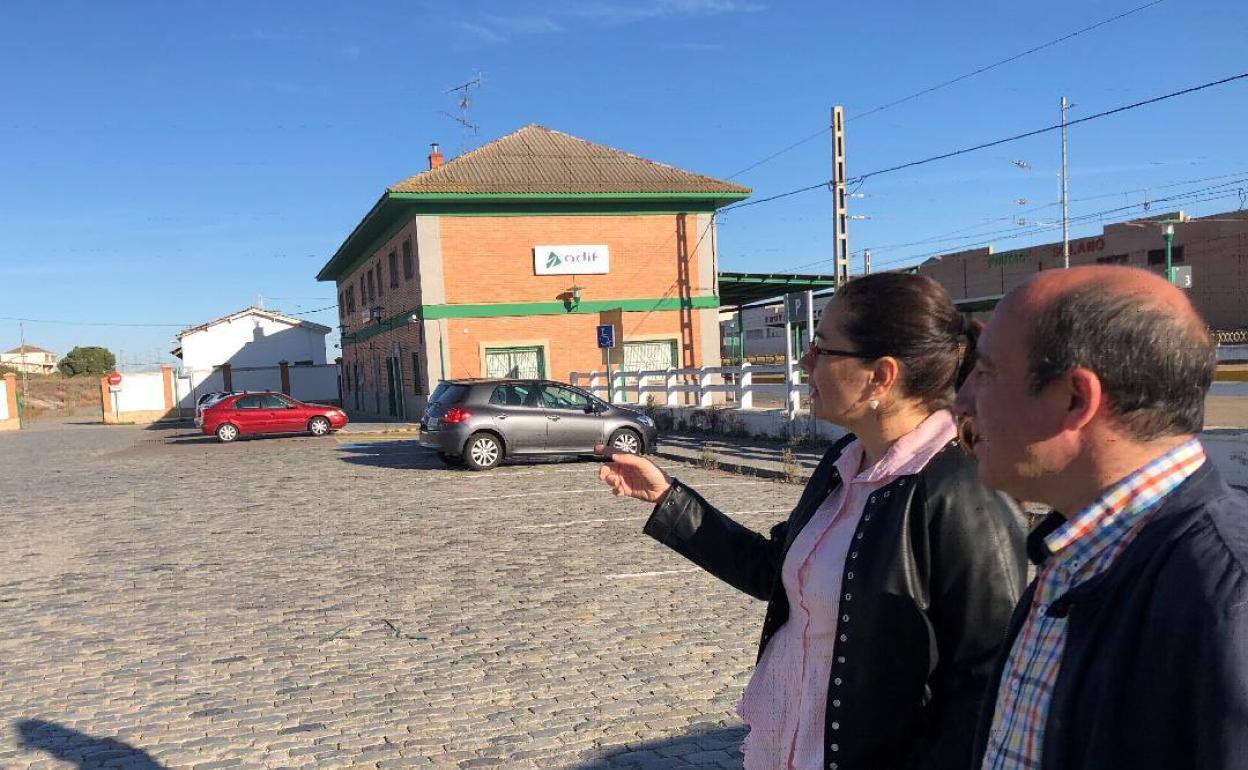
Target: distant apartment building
[29, 359]
[1215, 247]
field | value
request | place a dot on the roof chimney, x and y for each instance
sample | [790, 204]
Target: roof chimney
[435, 156]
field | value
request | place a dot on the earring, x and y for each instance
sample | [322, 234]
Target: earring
[874, 404]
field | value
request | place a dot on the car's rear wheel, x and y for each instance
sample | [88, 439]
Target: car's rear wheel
[319, 426]
[226, 433]
[625, 440]
[483, 451]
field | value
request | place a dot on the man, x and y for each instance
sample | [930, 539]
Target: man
[1130, 648]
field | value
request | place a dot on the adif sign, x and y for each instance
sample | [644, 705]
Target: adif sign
[571, 260]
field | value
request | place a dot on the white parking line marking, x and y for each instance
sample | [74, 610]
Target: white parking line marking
[603, 488]
[652, 574]
[579, 521]
[631, 519]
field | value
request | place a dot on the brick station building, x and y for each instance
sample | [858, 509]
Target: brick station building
[1215, 247]
[503, 261]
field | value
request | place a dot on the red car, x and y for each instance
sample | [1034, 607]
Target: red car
[256, 414]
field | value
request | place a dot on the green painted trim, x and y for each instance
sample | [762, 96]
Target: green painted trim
[561, 308]
[638, 196]
[524, 309]
[399, 207]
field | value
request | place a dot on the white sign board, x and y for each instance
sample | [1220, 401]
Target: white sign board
[571, 260]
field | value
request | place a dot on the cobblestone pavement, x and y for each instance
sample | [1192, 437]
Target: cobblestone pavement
[296, 602]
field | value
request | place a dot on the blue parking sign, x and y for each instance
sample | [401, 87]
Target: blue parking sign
[606, 336]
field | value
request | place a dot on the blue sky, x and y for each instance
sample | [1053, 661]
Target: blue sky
[166, 163]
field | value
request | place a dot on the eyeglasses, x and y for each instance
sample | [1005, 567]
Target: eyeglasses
[818, 351]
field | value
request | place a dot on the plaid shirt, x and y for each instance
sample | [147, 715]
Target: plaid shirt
[1082, 548]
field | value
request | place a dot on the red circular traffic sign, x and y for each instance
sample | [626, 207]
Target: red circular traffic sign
[114, 378]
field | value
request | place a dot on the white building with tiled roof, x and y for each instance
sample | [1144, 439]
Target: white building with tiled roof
[252, 337]
[30, 359]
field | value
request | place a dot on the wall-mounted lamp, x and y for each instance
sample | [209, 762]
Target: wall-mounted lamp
[572, 296]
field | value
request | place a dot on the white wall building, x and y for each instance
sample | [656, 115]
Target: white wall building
[252, 337]
[30, 359]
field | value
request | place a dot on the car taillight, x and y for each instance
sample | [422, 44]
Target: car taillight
[455, 415]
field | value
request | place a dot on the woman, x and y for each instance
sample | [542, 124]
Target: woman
[891, 584]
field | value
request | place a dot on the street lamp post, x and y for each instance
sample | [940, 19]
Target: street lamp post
[1169, 235]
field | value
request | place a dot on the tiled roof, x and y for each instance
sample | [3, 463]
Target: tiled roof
[27, 349]
[261, 313]
[537, 160]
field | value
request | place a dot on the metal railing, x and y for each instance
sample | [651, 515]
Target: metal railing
[735, 385]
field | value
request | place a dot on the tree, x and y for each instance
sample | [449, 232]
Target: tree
[6, 369]
[87, 360]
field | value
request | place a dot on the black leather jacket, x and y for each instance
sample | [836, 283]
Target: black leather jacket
[936, 566]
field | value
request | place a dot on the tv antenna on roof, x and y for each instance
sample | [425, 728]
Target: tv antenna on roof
[464, 98]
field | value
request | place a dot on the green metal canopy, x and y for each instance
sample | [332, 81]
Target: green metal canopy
[739, 289]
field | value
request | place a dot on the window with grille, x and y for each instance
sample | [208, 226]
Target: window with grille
[408, 267]
[520, 363]
[649, 355]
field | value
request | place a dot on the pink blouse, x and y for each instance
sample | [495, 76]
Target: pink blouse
[786, 699]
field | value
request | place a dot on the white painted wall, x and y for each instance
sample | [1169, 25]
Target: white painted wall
[307, 383]
[261, 378]
[252, 341]
[314, 383]
[4, 401]
[143, 392]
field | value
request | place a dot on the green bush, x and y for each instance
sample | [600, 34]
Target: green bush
[87, 360]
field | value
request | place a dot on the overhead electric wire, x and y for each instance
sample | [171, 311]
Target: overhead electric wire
[945, 84]
[986, 238]
[1054, 127]
[1046, 228]
[943, 156]
[1003, 62]
[89, 323]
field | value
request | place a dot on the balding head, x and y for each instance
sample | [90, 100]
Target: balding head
[1138, 333]
[1142, 285]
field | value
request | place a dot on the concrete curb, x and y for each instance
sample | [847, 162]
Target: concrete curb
[741, 469]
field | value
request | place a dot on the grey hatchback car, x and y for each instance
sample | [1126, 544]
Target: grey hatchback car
[479, 422]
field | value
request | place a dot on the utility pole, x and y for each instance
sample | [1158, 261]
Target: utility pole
[841, 214]
[1169, 236]
[21, 332]
[866, 261]
[1065, 194]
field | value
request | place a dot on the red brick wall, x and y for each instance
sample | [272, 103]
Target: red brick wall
[490, 259]
[570, 339]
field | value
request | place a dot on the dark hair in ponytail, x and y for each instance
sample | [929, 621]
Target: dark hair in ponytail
[911, 318]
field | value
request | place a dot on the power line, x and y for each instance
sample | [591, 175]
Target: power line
[1051, 228]
[1003, 62]
[744, 204]
[945, 84]
[982, 239]
[1053, 127]
[89, 323]
[943, 156]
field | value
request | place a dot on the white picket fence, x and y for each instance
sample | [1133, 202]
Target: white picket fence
[701, 386]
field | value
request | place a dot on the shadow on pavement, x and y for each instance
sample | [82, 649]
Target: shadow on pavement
[718, 749]
[409, 454]
[83, 751]
[392, 454]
